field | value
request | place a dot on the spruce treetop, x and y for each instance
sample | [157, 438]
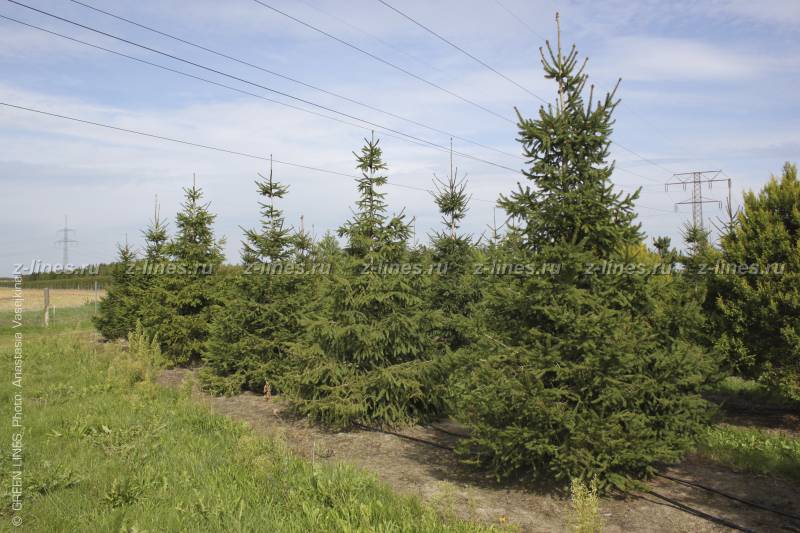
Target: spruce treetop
[371, 230]
[453, 201]
[156, 237]
[572, 199]
[273, 242]
[302, 241]
[125, 254]
[195, 241]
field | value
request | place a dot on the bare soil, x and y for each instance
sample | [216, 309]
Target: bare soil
[435, 475]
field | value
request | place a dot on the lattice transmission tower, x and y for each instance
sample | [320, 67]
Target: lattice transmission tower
[66, 241]
[696, 180]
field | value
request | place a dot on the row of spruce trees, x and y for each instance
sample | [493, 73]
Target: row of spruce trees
[558, 373]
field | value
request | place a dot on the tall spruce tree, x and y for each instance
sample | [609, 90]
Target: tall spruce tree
[253, 330]
[369, 360]
[182, 291]
[117, 312]
[454, 290]
[571, 378]
[150, 266]
[756, 291]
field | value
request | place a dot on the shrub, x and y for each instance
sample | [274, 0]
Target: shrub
[585, 503]
[141, 362]
[759, 322]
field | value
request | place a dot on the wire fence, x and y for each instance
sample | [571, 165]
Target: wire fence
[82, 283]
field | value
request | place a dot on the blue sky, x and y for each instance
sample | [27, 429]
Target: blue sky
[706, 85]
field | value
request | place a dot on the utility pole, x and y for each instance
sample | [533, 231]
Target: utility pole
[66, 241]
[696, 180]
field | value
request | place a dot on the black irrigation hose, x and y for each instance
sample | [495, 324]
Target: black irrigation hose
[700, 514]
[678, 505]
[446, 432]
[407, 437]
[729, 496]
[685, 482]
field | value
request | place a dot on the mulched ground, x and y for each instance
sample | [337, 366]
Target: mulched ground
[434, 474]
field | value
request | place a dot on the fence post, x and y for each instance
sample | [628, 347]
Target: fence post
[46, 306]
[95, 297]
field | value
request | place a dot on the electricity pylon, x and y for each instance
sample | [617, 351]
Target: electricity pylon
[697, 179]
[66, 241]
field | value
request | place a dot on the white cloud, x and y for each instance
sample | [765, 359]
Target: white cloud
[671, 59]
[778, 12]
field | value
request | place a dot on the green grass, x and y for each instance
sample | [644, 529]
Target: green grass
[65, 320]
[736, 391]
[108, 453]
[753, 450]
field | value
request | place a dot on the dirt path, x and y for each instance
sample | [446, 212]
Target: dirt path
[433, 474]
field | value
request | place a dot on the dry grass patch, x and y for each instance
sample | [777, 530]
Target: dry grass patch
[60, 298]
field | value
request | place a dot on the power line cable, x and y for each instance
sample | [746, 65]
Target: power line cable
[413, 138]
[230, 151]
[385, 62]
[372, 35]
[264, 87]
[205, 80]
[510, 80]
[452, 44]
[646, 160]
[289, 78]
[207, 146]
[520, 20]
[638, 175]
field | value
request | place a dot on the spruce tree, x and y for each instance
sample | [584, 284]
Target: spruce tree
[133, 288]
[669, 256]
[369, 360]
[156, 237]
[571, 378]
[756, 287]
[182, 292]
[151, 290]
[117, 312]
[253, 330]
[454, 290]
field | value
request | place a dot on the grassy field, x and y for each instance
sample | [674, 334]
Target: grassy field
[108, 450]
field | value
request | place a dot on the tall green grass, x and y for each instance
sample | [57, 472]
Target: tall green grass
[110, 454]
[753, 450]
